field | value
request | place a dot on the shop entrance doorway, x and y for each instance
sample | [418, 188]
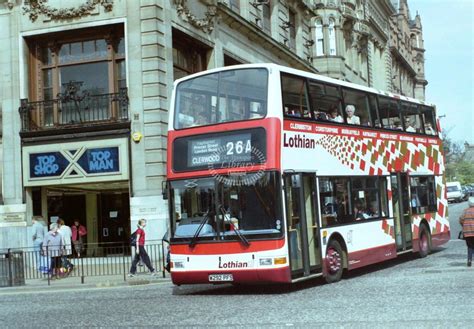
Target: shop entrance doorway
[104, 212]
[114, 218]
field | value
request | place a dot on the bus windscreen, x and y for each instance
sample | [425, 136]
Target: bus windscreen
[225, 206]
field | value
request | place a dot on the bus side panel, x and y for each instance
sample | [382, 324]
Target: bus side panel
[365, 242]
[438, 221]
[370, 256]
[439, 229]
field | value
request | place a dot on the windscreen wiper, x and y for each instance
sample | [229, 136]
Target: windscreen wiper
[236, 230]
[203, 222]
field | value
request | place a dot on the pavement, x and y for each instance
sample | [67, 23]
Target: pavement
[88, 282]
[456, 255]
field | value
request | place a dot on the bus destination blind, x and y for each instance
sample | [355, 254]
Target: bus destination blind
[220, 150]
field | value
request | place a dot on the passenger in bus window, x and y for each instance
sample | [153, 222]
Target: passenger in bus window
[408, 126]
[415, 203]
[351, 118]
[320, 115]
[292, 111]
[341, 208]
[334, 115]
[397, 125]
[373, 210]
[201, 119]
[359, 211]
[429, 129]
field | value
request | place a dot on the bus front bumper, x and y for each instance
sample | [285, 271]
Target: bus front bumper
[248, 276]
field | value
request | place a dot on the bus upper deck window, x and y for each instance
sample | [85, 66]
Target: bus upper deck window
[226, 96]
[429, 121]
[295, 98]
[389, 114]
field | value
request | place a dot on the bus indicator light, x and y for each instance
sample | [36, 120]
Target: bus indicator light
[279, 261]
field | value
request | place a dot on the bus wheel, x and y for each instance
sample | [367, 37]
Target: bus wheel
[334, 265]
[424, 241]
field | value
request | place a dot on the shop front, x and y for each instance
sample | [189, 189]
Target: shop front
[85, 181]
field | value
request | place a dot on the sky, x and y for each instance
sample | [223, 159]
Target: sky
[448, 34]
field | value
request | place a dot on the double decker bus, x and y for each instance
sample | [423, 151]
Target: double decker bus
[276, 175]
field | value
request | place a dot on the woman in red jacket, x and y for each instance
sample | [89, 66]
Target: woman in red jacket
[78, 231]
[467, 222]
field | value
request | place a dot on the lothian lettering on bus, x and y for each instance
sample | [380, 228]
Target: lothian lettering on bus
[298, 141]
[232, 264]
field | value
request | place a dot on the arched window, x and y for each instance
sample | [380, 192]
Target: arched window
[415, 42]
[332, 37]
[319, 37]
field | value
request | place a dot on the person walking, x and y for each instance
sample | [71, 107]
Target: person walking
[78, 231]
[467, 222]
[53, 248]
[39, 230]
[140, 252]
[66, 234]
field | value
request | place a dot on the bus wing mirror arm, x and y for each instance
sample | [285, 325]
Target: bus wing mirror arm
[164, 189]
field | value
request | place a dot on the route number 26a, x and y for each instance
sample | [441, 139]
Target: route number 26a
[239, 147]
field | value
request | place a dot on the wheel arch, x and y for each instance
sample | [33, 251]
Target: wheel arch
[338, 237]
[424, 222]
[424, 226]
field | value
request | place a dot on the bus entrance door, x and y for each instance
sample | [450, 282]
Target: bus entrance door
[401, 211]
[303, 232]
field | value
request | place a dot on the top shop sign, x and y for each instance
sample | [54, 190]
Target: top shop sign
[92, 161]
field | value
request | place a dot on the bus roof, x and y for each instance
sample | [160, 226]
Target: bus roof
[305, 74]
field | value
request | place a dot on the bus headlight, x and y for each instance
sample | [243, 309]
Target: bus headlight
[265, 261]
[279, 260]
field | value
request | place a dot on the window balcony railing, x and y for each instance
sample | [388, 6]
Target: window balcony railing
[71, 109]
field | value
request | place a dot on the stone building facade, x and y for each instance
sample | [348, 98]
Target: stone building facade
[85, 89]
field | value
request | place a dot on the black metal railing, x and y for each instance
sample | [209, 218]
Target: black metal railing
[22, 264]
[71, 109]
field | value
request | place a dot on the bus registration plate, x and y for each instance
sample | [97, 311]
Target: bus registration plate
[221, 278]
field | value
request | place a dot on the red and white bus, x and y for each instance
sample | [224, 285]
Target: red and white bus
[277, 175]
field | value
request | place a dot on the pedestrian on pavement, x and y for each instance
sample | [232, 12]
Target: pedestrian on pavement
[39, 230]
[467, 222]
[78, 232]
[140, 252]
[53, 248]
[66, 234]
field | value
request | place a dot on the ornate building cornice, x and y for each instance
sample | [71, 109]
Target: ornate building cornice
[34, 8]
[206, 23]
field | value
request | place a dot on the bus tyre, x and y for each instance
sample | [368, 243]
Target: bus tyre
[333, 262]
[424, 241]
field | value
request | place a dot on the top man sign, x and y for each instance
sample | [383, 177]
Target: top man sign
[101, 160]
